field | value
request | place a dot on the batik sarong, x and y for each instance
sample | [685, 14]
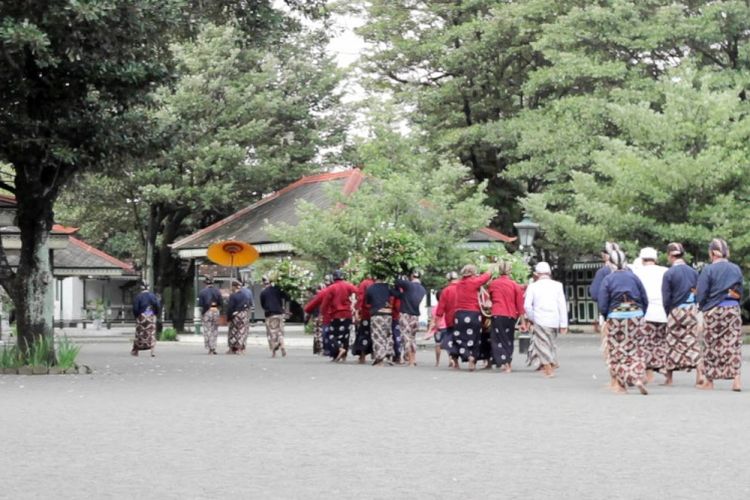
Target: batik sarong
[467, 335]
[683, 347]
[501, 336]
[382, 337]
[326, 339]
[339, 335]
[543, 346]
[238, 331]
[408, 324]
[363, 339]
[722, 357]
[275, 331]
[317, 335]
[654, 339]
[210, 323]
[485, 340]
[625, 350]
[145, 332]
[396, 334]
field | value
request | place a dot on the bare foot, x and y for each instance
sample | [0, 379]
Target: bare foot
[134, 353]
[706, 385]
[618, 389]
[649, 376]
[472, 364]
[641, 388]
[737, 384]
[283, 352]
[341, 355]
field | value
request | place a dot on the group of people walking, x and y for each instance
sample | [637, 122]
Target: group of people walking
[474, 320]
[239, 309]
[653, 319]
[659, 320]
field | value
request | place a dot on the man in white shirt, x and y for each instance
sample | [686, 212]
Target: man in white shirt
[547, 311]
[655, 321]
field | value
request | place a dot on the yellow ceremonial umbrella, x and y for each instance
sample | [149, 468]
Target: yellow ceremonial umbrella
[232, 253]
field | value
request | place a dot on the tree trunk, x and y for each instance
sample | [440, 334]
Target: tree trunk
[34, 297]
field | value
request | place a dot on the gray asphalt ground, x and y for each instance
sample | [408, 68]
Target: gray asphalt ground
[189, 425]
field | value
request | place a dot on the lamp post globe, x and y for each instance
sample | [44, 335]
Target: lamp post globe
[526, 229]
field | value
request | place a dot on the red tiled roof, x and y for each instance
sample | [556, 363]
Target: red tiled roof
[497, 235]
[353, 179]
[95, 251]
[58, 228]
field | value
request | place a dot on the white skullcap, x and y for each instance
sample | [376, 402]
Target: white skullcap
[648, 253]
[543, 268]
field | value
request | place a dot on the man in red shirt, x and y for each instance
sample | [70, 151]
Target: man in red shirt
[468, 318]
[507, 307]
[446, 309]
[322, 318]
[363, 341]
[338, 299]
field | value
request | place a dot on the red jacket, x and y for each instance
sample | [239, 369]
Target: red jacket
[362, 306]
[447, 304]
[318, 302]
[467, 289]
[507, 297]
[338, 299]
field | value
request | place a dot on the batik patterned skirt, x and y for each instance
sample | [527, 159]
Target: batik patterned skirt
[382, 337]
[543, 346]
[654, 345]
[625, 350]
[722, 357]
[443, 338]
[502, 334]
[396, 334]
[339, 335]
[238, 331]
[145, 332]
[408, 324]
[317, 335]
[275, 331]
[467, 334]
[210, 323]
[683, 346]
[363, 339]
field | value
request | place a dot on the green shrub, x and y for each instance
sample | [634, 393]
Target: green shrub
[168, 335]
[67, 352]
[39, 353]
[10, 357]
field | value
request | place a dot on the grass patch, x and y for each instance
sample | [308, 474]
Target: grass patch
[67, 352]
[10, 357]
[168, 335]
[38, 354]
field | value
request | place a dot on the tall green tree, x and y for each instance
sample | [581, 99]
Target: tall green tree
[71, 73]
[424, 195]
[460, 68]
[245, 117]
[68, 73]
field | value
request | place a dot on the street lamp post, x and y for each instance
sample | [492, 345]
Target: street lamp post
[526, 229]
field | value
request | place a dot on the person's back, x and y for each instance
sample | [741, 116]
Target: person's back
[272, 300]
[545, 303]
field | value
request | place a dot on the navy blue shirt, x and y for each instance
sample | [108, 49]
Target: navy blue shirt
[677, 285]
[715, 281]
[618, 287]
[209, 296]
[272, 300]
[410, 293]
[238, 301]
[596, 285]
[145, 301]
[377, 295]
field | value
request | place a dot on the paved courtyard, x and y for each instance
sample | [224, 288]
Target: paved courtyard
[186, 425]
